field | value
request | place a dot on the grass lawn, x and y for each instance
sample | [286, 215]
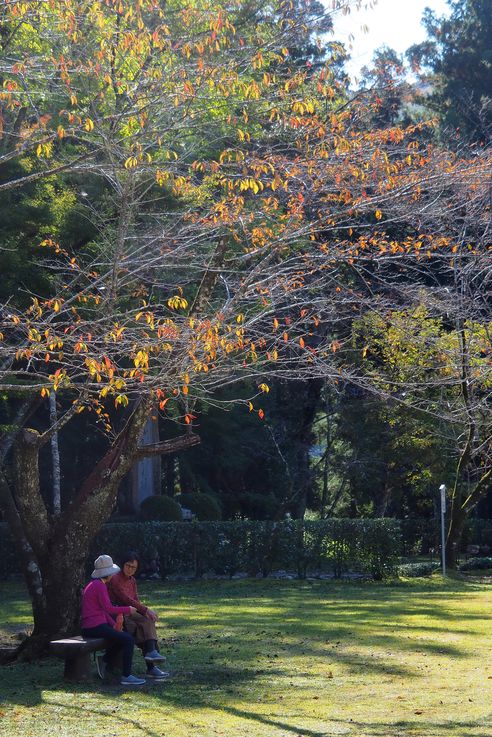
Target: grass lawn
[280, 659]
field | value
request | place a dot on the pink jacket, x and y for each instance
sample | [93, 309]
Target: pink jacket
[96, 606]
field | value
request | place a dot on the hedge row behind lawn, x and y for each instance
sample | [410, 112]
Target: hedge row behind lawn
[423, 536]
[335, 546]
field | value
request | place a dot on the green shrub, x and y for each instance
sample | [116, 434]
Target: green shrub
[204, 506]
[476, 564]
[337, 546]
[417, 570]
[161, 508]
[380, 545]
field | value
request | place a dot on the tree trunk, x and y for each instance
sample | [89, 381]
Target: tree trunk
[457, 521]
[53, 550]
[170, 475]
[459, 513]
[382, 502]
[56, 608]
[55, 457]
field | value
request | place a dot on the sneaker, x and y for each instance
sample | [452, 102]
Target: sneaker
[101, 665]
[132, 681]
[156, 672]
[153, 655]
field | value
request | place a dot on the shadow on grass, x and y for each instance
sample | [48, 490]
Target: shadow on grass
[377, 729]
[190, 690]
[418, 728]
[262, 719]
[232, 635]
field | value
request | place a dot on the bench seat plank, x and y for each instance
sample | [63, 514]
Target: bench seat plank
[70, 647]
[76, 653]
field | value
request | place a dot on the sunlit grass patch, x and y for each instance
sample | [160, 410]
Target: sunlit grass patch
[279, 658]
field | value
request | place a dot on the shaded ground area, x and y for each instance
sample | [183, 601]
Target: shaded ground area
[279, 659]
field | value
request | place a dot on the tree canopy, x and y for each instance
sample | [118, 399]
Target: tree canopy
[457, 57]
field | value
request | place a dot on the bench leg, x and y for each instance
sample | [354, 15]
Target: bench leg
[78, 668]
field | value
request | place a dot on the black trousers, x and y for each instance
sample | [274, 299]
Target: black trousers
[119, 641]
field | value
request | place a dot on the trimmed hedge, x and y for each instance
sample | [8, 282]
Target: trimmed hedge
[334, 546]
[476, 564]
[417, 570]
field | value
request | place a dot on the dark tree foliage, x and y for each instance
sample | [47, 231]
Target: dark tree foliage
[456, 64]
[391, 458]
[257, 469]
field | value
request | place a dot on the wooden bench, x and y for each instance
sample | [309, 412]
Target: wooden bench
[76, 652]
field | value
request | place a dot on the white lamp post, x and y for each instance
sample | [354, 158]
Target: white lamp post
[442, 489]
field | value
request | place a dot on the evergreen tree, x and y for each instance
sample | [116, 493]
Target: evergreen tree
[456, 63]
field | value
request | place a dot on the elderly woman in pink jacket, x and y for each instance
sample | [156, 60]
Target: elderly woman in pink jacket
[97, 619]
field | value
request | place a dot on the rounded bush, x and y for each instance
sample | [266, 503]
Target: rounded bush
[161, 509]
[258, 506]
[205, 507]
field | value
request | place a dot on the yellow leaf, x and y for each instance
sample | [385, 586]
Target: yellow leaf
[122, 400]
[378, 214]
